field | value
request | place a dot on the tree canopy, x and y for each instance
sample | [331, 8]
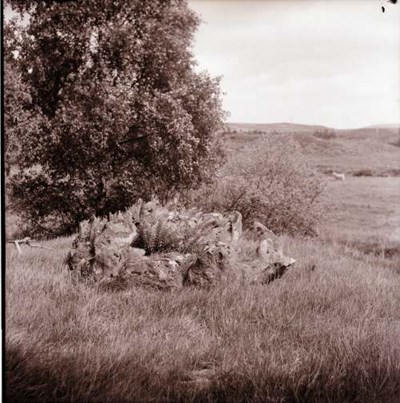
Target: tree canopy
[118, 110]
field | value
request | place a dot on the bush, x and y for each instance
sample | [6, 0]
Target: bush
[325, 134]
[271, 182]
[364, 172]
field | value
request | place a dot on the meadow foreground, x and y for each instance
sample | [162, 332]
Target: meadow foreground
[327, 331]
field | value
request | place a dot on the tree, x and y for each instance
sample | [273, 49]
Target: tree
[17, 117]
[123, 113]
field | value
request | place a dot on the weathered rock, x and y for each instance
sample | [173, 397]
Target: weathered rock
[274, 271]
[213, 264]
[270, 263]
[116, 236]
[261, 232]
[79, 260]
[218, 228]
[236, 227]
[164, 271]
[107, 264]
[138, 251]
[268, 252]
[211, 267]
[99, 247]
[129, 249]
[109, 248]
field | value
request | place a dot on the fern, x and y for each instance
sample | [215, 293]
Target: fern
[157, 236]
[161, 229]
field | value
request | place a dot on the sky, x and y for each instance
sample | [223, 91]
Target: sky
[328, 62]
[334, 63]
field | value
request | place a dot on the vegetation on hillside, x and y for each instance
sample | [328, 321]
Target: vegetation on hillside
[326, 134]
[348, 151]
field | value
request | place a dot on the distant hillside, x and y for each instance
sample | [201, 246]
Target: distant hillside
[278, 127]
[370, 149]
[386, 126]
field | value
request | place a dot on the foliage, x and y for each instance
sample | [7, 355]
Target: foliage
[270, 182]
[364, 172]
[325, 134]
[163, 234]
[18, 116]
[123, 114]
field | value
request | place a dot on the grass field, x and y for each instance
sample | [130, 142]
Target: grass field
[328, 331]
[361, 207]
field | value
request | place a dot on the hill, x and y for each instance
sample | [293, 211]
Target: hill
[386, 126]
[279, 127]
[371, 151]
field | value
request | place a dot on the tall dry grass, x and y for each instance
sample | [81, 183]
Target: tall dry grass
[327, 331]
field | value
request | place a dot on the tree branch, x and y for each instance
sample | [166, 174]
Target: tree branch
[26, 241]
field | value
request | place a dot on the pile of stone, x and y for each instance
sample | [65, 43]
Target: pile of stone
[168, 247]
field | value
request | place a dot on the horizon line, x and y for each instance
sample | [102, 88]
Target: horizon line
[370, 126]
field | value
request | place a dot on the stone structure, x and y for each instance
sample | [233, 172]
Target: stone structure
[161, 247]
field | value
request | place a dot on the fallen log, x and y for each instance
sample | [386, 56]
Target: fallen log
[26, 241]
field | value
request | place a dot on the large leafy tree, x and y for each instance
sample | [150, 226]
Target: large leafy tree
[122, 111]
[18, 103]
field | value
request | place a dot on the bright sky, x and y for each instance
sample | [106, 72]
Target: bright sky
[335, 63]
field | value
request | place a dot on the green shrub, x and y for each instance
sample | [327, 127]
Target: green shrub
[325, 134]
[271, 182]
[364, 172]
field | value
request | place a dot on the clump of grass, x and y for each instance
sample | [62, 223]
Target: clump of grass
[327, 332]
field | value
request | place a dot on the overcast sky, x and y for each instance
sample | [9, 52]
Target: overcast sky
[335, 63]
[329, 62]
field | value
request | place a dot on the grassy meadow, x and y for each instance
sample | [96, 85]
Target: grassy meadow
[364, 212]
[328, 331]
